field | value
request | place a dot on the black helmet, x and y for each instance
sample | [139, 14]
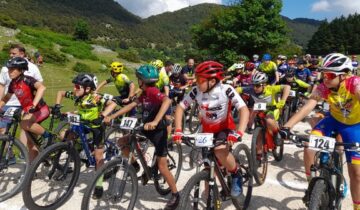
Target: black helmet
[290, 72]
[86, 80]
[18, 63]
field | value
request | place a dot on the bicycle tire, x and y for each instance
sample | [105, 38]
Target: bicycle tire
[111, 167]
[204, 175]
[243, 159]
[61, 125]
[319, 198]
[159, 182]
[53, 154]
[259, 176]
[194, 114]
[9, 177]
[278, 151]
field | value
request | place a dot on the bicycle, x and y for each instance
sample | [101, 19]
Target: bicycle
[261, 144]
[194, 121]
[196, 195]
[121, 185]
[48, 186]
[327, 187]
[14, 157]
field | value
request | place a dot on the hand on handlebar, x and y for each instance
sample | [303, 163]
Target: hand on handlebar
[178, 135]
[234, 137]
[285, 132]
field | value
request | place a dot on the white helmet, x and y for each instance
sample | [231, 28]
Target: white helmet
[259, 78]
[256, 56]
[176, 68]
[282, 57]
[336, 62]
[239, 65]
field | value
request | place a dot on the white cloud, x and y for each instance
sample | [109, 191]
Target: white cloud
[146, 8]
[338, 7]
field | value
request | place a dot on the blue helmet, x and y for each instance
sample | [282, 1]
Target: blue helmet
[266, 57]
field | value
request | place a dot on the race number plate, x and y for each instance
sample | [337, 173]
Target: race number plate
[73, 119]
[128, 123]
[204, 140]
[292, 93]
[260, 106]
[326, 106]
[321, 142]
[108, 96]
[10, 111]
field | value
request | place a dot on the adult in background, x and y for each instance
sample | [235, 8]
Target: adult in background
[188, 70]
[16, 50]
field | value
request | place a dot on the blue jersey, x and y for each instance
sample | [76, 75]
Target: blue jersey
[282, 68]
[303, 74]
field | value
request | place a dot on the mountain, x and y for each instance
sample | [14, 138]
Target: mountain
[110, 23]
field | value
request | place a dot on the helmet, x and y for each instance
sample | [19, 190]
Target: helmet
[308, 55]
[336, 62]
[86, 80]
[290, 72]
[249, 66]
[148, 74]
[176, 69]
[256, 56]
[157, 63]
[210, 69]
[117, 67]
[239, 65]
[282, 57]
[259, 78]
[18, 63]
[266, 57]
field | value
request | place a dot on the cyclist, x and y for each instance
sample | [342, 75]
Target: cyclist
[244, 78]
[269, 68]
[234, 71]
[90, 106]
[256, 61]
[178, 82]
[30, 93]
[215, 100]
[261, 92]
[303, 73]
[342, 91]
[154, 105]
[355, 64]
[125, 87]
[282, 66]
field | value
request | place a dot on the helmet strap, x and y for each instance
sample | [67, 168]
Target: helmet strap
[208, 86]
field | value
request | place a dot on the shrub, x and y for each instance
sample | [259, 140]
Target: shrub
[51, 56]
[7, 21]
[131, 55]
[81, 67]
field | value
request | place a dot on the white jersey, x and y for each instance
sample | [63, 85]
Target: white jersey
[5, 80]
[215, 107]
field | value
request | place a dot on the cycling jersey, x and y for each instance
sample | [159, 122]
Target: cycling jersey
[215, 107]
[303, 74]
[344, 105]
[188, 70]
[177, 80]
[122, 84]
[355, 64]
[89, 106]
[269, 69]
[24, 89]
[257, 64]
[244, 79]
[163, 80]
[296, 84]
[282, 68]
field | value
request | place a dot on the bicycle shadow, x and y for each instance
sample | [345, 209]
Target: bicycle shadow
[270, 203]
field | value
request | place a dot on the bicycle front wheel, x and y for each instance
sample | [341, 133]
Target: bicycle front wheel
[319, 197]
[259, 156]
[119, 187]
[14, 167]
[195, 194]
[52, 177]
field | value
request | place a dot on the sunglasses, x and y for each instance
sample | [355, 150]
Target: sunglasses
[329, 75]
[77, 87]
[201, 80]
[259, 85]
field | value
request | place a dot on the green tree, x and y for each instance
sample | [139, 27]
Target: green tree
[251, 26]
[81, 30]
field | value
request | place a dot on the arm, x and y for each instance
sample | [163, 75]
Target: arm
[357, 93]
[124, 110]
[109, 108]
[277, 77]
[166, 102]
[302, 113]
[60, 95]
[244, 115]
[179, 112]
[101, 85]
[131, 90]
[40, 90]
[2, 91]
[167, 90]
[5, 99]
[286, 91]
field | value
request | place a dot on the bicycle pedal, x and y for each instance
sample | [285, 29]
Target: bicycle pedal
[144, 179]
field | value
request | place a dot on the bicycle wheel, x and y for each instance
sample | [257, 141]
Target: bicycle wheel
[194, 121]
[62, 126]
[14, 167]
[278, 151]
[243, 159]
[260, 160]
[285, 115]
[319, 197]
[120, 187]
[48, 186]
[174, 160]
[195, 193]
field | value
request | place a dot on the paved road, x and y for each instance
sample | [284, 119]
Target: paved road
[283, 188]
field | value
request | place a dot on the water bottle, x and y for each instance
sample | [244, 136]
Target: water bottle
[343, 189]
[324, 158]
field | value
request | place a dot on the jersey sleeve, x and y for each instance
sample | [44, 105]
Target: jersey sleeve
[3, 75]
[189, 98]
[234, 97]
[321, 92]
[70, 95]
[353, 84]
[155, 94]
[10, 90]
[31, 82]
[232, 68]
[276, 88]
[126, 79]
[302, 83]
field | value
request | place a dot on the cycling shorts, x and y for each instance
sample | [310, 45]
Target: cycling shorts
[349, 134]
[159, 139]
[42, 114]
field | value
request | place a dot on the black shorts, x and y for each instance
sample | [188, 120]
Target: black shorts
[221, 136]
[98, 136]
[159, 139]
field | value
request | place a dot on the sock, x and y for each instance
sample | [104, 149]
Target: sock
[308, 176]
[46, 134]
[99, 182]
[356, 205]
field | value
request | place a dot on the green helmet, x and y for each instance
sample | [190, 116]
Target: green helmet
[148, 74]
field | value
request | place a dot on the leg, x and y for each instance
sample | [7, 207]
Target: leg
[99, 157]
[29, 124]
[225, 157]
[354, 173]
[164, 170]
[26, 139]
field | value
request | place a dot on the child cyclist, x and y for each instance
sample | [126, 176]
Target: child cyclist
[342, 92]
[215, 100]
[90, 108]
[29, 93]
[154, 106]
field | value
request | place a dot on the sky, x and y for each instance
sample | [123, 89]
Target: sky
[315, 9]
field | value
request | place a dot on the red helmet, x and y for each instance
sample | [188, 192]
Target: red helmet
[249, 66]
[210, 69]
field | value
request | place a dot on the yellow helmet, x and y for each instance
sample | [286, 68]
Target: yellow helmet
[157, 63]
[117, 67]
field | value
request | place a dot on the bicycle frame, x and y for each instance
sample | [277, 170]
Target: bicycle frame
[8, 136]
[260, 121]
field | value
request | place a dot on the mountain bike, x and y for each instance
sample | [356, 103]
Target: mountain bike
[327, 187]
[262, 144]
[48, 186]
[201, 191]
[14, 157]
[120, 181]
